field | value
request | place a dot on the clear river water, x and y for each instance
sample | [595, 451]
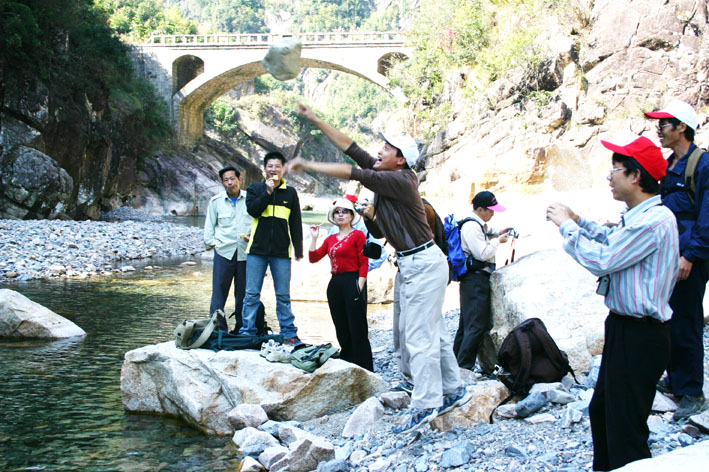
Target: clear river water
[60, 401]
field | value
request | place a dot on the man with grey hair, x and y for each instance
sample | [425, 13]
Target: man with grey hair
[398, 214]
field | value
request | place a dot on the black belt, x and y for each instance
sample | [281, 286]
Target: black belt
[420, 248]
[643, 319]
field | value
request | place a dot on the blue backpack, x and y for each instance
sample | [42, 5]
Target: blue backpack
[456, 256]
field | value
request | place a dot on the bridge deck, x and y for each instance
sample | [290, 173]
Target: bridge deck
[260, 40]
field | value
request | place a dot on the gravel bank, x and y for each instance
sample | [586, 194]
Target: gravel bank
[38, 249]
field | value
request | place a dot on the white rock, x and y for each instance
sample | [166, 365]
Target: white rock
[188, 263]
[362, 419]
[571, 416]
[202, 386]
[247, 415]
[546, 285]
[662, 404]
[57, 269]
[687, 459]
[507, 411]
[305, 455]
[486, 396]
[358, 456]
[547, 387]
[253, 442]
[395, 400]
[379, 466]
[271, 455]
[289, 434]
[701, 420]
[127, 268]
[541, 418]
[556, 396]
[249, 464]
[20, 317]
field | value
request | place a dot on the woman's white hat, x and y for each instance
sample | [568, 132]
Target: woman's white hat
[347, 205]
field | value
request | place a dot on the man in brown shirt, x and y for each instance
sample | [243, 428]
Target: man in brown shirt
[398, 214]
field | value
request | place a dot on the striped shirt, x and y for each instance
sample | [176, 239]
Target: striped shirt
[640, 255]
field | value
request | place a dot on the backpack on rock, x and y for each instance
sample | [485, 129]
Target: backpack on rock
[528, 356]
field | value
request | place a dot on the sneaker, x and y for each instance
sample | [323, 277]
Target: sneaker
[688, 406]
[417, 419]
[663, 386]
[405, 387]
[295, 342]
[453, 400]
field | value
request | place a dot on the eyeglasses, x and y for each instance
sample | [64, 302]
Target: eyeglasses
[612, 171]
[342, 211]
[659, 127]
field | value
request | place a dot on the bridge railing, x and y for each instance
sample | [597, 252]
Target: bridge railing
[264, 39]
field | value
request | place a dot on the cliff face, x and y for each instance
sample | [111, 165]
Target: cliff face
[633, 56]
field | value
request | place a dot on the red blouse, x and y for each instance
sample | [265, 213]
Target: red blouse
[345, 254]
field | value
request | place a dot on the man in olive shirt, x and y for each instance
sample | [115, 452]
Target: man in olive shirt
[226, 230]
[398, 214]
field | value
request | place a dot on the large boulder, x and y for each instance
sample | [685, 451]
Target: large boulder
[486, 396]
[551, 286]
[20, 317]
[202, 386]
[687, 459]
[32, 185]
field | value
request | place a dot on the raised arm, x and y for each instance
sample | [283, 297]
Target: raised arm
[336, 137]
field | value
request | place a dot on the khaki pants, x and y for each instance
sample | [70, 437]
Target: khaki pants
[433, 366]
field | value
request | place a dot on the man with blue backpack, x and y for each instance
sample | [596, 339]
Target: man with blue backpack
[478, 244]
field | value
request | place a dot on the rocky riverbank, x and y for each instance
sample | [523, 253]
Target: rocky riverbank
[38, 249]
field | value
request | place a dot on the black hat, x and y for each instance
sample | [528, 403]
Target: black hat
[487, 200]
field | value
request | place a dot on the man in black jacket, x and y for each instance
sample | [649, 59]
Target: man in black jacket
[276, 225]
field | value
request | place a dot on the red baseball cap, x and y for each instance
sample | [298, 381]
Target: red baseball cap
[645, 152]
[351, 198]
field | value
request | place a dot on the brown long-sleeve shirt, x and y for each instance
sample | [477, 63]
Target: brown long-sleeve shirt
[400, 215]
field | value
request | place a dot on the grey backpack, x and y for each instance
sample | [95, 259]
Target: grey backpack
[185, 331]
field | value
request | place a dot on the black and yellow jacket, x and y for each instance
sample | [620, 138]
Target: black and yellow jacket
[276, 222]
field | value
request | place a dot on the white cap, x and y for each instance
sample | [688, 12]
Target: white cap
[684, 112]
[405, 144]
[347, 205]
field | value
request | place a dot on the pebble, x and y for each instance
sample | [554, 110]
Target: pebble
[42, 249]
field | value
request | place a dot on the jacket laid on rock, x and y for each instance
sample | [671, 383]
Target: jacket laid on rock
[276, 222]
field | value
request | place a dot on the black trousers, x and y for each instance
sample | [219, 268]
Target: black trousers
[349, 314]
[475, 317]
[635, 354]
[686, 368]
[223, 272]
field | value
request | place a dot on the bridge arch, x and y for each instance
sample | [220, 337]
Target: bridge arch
[185, 69]
[387, 61]
[197, 95]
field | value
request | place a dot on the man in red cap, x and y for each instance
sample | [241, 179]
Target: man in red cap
[684, 190]
[637, 263]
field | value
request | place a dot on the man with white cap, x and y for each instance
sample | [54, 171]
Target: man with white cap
[398, 214]
[479, 243]
[637, 262]
[684, 191]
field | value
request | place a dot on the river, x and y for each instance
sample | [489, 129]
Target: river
[61, 401]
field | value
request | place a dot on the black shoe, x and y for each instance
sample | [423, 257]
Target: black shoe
[689, 406]
[663, 386]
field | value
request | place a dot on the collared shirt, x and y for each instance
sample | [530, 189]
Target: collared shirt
[692, 219]
[640, 255]
[227, 225]
[474, 242]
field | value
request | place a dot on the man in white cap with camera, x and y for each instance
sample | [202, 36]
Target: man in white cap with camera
[398, 214]
[684, 191]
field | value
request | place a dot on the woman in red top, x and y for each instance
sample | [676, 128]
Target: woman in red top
[349, 274]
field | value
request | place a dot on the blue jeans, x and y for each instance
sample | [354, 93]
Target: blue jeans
[255, 272]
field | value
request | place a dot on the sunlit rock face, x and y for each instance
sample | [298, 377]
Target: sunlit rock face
[20, 317]
[202, 386]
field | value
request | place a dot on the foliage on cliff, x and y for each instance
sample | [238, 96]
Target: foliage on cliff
[65, 50]
[141, 18]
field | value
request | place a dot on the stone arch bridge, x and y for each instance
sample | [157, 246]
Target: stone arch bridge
[191, 71]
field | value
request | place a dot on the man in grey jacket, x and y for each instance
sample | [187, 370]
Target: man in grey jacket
[226, 230]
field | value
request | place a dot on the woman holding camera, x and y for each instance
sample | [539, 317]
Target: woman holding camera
[345, 295]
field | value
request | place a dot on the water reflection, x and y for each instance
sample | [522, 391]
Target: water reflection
[61, 400]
